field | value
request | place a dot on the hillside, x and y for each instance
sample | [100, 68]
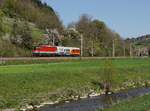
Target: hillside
[141, 45]
[15, 15]
[9, 49]
[141, 41]
[33, 11]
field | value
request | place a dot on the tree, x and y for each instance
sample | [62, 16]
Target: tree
[26, 36]
[21, 34]
[1, 23]
[97, 36]
[9, 7]
[13, 36]
[108, 77]
[83, 27]
[53, 37]
[71, 38]
[149, 51]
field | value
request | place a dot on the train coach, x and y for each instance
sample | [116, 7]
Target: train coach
[47, 50]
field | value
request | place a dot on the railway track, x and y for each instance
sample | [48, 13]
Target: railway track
[58, 58]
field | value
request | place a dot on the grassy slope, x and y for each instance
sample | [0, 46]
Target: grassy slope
[24, 83]
[137, 104]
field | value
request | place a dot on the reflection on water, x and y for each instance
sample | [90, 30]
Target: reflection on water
[109, 100]
[95, 103]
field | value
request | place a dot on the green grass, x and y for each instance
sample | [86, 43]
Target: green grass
[20, 84]
[27, 62]
[137, 104]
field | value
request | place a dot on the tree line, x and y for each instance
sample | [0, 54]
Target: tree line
[98, 39]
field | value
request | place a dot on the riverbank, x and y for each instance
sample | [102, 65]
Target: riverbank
[136, 104]
[37, 83]
[92, 102]
[99, 102]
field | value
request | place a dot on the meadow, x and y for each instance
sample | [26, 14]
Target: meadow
[36, 83]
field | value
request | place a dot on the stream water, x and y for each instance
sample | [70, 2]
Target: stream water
[99, 102]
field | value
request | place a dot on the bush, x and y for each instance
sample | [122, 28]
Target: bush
[108, 77]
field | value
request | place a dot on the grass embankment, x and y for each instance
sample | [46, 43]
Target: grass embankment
[137, 104]
[21, 84]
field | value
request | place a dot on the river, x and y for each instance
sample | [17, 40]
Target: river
[99, 102]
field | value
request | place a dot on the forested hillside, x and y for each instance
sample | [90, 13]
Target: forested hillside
[23, 23]
[140, 45]
[142, 40]
[33, 11]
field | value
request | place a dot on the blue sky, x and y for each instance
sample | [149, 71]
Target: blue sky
[130, 18]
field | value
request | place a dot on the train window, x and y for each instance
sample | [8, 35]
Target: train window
[61, 49]
[66, 50]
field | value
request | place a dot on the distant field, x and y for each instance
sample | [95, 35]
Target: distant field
[137, 104]
[21, 84]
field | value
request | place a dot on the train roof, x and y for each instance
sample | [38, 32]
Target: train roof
[60, 47]
[68, 47]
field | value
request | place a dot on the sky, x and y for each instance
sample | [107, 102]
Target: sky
[129, 18]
